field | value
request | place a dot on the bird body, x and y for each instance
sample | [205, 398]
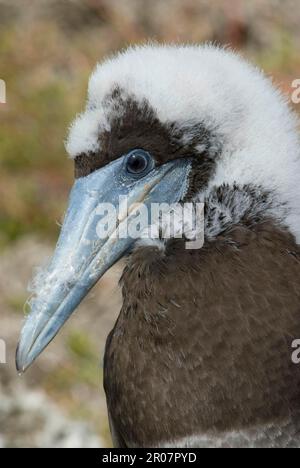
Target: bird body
[208, 362]
[201, 354]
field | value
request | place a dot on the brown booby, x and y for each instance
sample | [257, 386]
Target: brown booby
[200, 355]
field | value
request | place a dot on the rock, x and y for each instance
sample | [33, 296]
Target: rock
[30, 419]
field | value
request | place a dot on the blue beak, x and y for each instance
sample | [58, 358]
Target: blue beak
[81, 256]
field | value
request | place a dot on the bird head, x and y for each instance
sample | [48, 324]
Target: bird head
[165, 124]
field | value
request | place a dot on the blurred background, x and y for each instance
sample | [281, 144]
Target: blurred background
[47, 51]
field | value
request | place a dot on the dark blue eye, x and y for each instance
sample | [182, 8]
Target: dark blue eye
[138, 162]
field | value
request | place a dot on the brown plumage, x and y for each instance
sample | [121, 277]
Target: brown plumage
[136, 125]
[202, 345]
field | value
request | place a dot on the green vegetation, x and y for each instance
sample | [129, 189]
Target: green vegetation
[43, 95]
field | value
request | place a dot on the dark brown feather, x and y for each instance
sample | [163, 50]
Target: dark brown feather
[203, 340]
[134, 125]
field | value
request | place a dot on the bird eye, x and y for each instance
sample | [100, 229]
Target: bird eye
[138, 162]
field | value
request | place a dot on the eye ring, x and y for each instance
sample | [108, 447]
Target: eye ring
[138, 162]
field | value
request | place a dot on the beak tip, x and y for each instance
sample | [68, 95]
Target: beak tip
[21, 364]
